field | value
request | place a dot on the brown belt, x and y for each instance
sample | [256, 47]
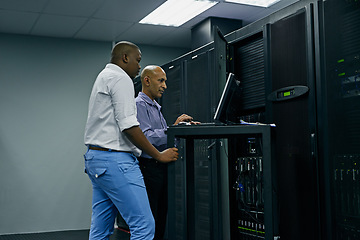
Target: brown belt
[92, 147]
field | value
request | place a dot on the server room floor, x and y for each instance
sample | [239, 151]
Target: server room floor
[64, 235]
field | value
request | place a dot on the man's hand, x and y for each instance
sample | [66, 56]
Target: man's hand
[168, 155]
[183, 118]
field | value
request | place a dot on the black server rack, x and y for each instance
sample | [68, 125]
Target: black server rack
[282, 46]
[247, 62]
[191, 84]
[291, 106]
[271, 58]
[300, 69]
[238, 198]
[338, 67]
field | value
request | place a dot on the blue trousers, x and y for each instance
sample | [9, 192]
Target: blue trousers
[118, 185]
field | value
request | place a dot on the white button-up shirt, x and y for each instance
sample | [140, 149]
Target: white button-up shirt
[112, 109]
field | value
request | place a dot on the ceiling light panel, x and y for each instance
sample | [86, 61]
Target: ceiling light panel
[177, 12]
[259, 3]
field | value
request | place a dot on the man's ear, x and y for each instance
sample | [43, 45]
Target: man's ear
[147, 81]
[125, 58]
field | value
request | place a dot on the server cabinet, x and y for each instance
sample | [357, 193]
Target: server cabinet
[192, 79]
[312, 68]
[338, 67]
[224, 186]
[274, 60]
[173, 104]
[291, 106]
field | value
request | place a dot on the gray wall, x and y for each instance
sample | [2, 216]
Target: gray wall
[45, 85]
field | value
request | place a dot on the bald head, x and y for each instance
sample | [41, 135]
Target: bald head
[150, 71]
[153, 81]
[127, 56]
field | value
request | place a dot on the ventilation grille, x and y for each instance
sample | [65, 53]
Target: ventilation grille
[350, 34]
[251, 72]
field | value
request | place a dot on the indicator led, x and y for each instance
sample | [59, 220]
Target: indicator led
[287, 94]
[252, 230]
[341, 60]
[341, 74]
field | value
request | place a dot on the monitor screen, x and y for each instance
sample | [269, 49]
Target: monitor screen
[229, 105]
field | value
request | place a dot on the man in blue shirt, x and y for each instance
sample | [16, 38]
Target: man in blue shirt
[153, 125]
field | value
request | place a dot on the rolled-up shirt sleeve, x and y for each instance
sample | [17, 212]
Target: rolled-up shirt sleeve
[122, 97]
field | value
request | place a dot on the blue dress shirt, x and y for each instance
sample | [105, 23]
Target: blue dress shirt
[152, 122]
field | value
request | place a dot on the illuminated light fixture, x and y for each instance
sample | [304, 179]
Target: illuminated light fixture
[259, 3]
[177, 12]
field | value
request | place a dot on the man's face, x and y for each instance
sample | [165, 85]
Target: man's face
[157, 84]
[133, 65]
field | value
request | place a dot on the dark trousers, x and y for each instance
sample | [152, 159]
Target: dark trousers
[155, 178]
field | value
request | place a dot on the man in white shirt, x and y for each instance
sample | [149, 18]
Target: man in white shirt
[114, 140]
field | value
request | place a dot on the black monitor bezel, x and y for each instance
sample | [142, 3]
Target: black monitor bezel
[232, 87]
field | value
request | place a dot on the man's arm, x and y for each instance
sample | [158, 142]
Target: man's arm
[136, 136]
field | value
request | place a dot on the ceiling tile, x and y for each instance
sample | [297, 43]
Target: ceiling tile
[17, 22]
[58, 26]
[27, 6]
[132, 11]
[82, 8]
[144, 33]
[231, 10]
[104, 30]
[179, 38]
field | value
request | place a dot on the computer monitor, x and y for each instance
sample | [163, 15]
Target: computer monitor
[229, 105]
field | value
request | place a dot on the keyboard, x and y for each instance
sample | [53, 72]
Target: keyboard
[201, 124]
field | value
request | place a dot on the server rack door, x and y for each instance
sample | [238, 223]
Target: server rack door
[198, 82]
[249, 67]
[172, 101]
[290, 111]
[173, 104]
[340, 99]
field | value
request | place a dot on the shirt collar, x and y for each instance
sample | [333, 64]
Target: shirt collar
[148, 100]
[115, 67]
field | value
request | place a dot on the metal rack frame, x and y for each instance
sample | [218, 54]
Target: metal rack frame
[189, 134]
